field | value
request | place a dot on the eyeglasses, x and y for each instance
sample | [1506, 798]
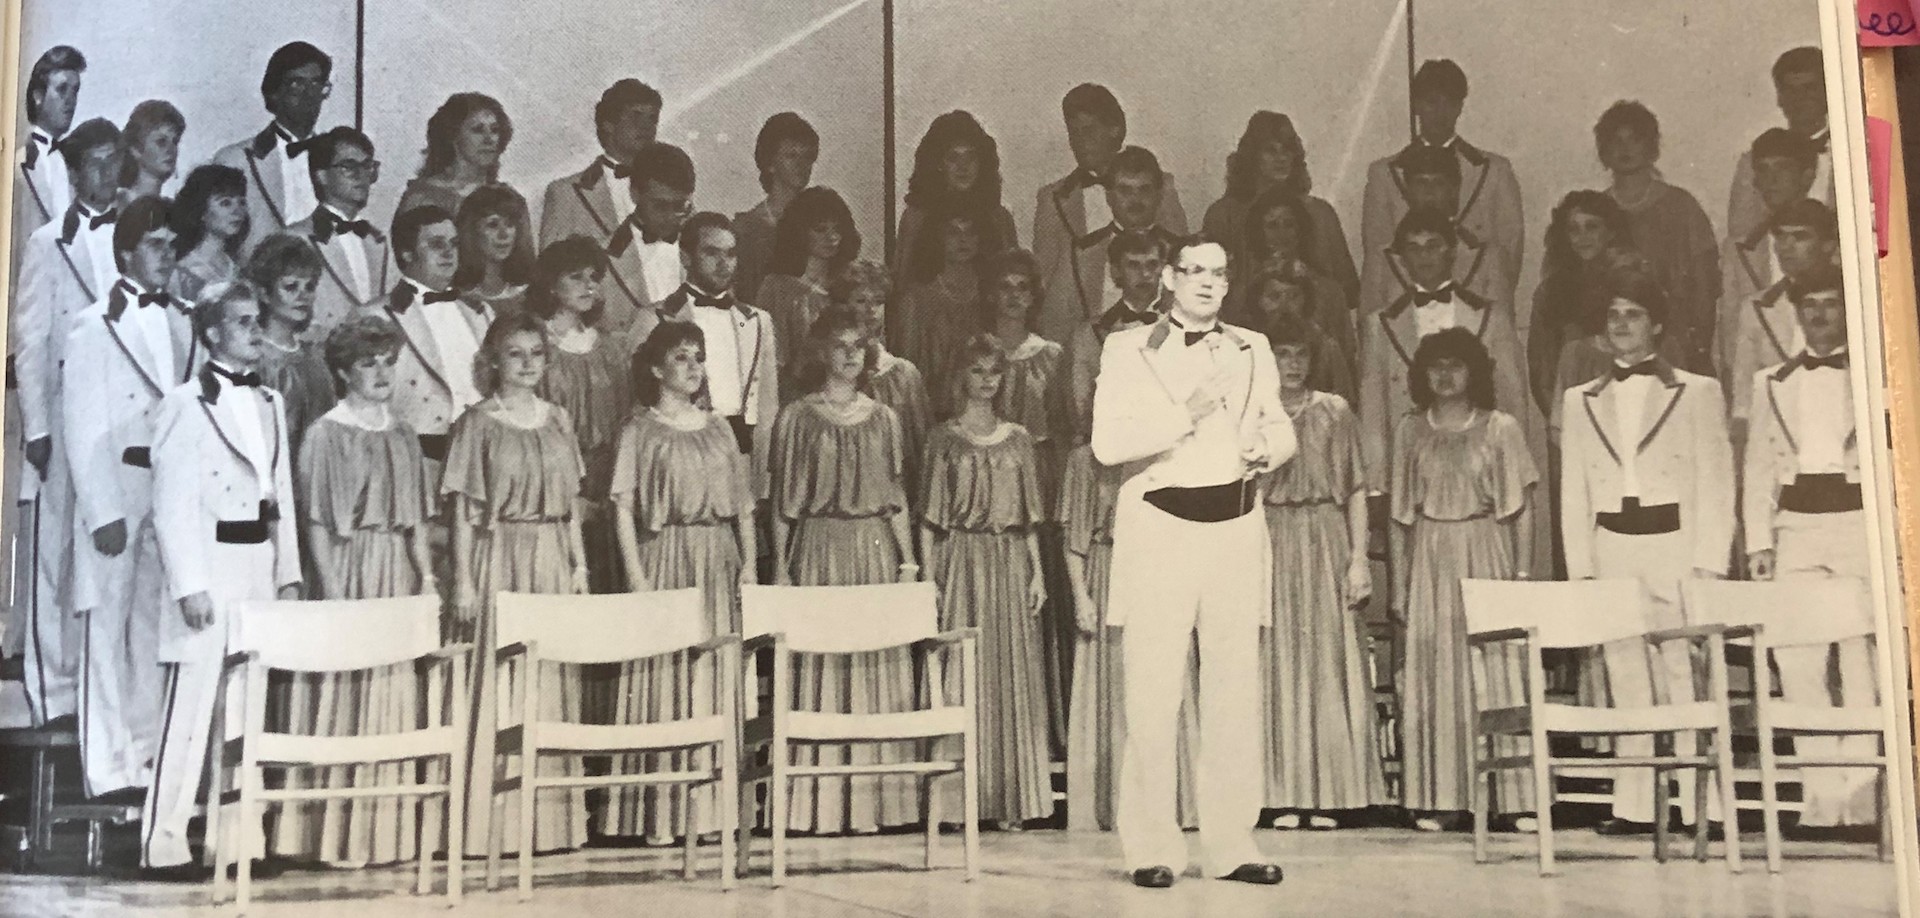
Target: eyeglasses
[1198, 270]
[308, 84]
[358, 168]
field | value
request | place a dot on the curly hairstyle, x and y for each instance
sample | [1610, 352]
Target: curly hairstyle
[1632, 116]
[652, 355]
[783, 128]
[809, 208]
[559, 260]
[1458, 344]
[492, 201]
[927, 188]
[277, 256]
[486, 364]
[1566, 283]
[447, 121]
[860, 274]
[978, 347]
[1255, 232]
[810, 371]
[1243, 164]
[358, 337]
[147, 117]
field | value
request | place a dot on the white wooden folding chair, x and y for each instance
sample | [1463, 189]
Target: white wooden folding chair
[1810, 614]
[533, 629]
[1535, 616]
[858, 619]
[328, 637]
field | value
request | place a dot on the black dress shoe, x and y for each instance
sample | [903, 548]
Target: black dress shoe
[178, 873]
[1153, 877]
[267, 869]
[1262, 874]
[1623, 827]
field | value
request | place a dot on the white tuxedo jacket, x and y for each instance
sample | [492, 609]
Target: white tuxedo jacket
[1140, 411]
[1764, 334]
[57, 281]
[110, 395]
[580, 204]
[201, 477]
[271, 205]
[1059, 219]
[1772, 458]
[338, 296]
[1684, 458]
[422, 399]
[756, 349]
[1489, 211]
[41, 190]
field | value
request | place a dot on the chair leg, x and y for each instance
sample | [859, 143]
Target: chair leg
[689, 855]
[529, 797]
[970, 795]
[1662, 811]
[1701, 823]
[728, 790]
[743, 849]
[40, 821]
[930, 812]
[249, 819]
[1543, 799]
[498, 804]
[218, 840]
[1882, 815]
[1769, 800]
[1482, 789]
[777, 790]
[423, 871]
[455, 806]
[1729, 803]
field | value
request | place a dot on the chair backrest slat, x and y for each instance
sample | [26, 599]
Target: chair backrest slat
[841, 619]
[1578, 613]
[602, 628]
[1792, 613]
[337, 634]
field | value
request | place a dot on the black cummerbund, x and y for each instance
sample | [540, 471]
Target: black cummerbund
[434, 446]
[1634, 519]
[1826, 493]
[139, 457]
[248, 532]
[1210, 504]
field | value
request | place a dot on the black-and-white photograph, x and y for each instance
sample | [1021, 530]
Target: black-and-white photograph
[915, 457]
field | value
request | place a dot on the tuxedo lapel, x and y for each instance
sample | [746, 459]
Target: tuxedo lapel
[1753, 260]
[1598, 400]
[1786, 411]
[413, 327]
[79, 264]
[1473, 174]
[596, 199]
[628, 277]
[137, 353]
[41, 199]
[271, 192]
[1660, 402]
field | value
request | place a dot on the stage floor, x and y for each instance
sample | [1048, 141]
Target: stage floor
[1348, 873]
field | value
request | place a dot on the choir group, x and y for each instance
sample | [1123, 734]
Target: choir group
[255, 388]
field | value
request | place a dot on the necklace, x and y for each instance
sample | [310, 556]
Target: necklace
[1635, 203]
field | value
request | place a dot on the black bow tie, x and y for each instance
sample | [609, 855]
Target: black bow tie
[723, 301]
[403, 297]
[1195, 337]
[1643, 368]
[648, 237]
[103, 218]
[617, 170]
[1083, 177]
[295, 148]
[250, 378]
[1834, 361]
[1426, 297]
[33, 148]
[124, 295]
[327, 224]
[1822, 143]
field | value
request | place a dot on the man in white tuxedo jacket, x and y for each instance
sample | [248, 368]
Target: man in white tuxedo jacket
[743, 382]
[1804, 517]
[1804, 237]
[1800, 91]
[643, 254]
[1485, 203]
[65, 267]
[1081, 289]
[130, 349]
[594, 201]
[1197, 405]
[1783, 168]
[433, 381]
[353, 254]
[297, 82]
[223, 517]
[1646, 492]
[1070, 209]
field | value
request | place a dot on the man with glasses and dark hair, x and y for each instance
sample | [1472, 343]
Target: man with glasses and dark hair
[594, 201]
[353, 252]
[643, 254]
[1193, 406]
[279, 185]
